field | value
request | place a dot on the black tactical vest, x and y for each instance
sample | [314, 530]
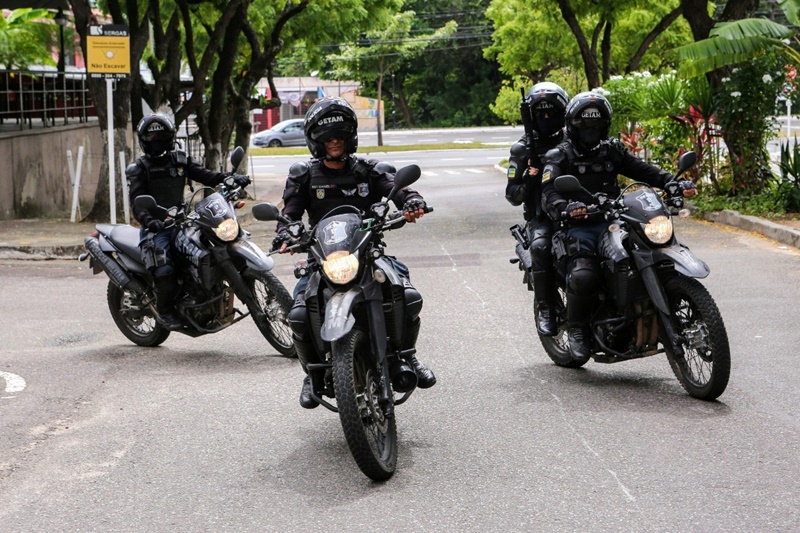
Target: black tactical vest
[166, 179]
[329, 188]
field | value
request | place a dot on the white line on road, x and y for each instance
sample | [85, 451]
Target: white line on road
[452, 159]
[474, 170]
[14, 383]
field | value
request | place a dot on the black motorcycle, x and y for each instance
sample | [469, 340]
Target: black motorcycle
[650, 301]
[356, 309]
[215, 262]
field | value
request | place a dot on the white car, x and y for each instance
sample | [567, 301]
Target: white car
[285, 133]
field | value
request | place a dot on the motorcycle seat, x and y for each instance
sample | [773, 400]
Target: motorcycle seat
[124, 237]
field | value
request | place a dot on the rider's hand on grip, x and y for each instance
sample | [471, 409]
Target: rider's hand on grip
[414, 209]
[241, 180]
[281, 241]
[688, 188]
[154, 225]
[576, 210]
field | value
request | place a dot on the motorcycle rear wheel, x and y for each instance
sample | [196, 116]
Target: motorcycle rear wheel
[557, 347]
[133, 318]
[704, 369]
[275, 302]
[371, 436]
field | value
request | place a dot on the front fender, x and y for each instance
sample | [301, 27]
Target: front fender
[339, 318]
[684, 260]
[252, 254]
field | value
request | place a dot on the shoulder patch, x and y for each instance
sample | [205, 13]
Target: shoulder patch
[512, 172]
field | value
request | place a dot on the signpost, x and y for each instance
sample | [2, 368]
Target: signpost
[108, 56]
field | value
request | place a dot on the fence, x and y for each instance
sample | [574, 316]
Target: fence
[35, 99]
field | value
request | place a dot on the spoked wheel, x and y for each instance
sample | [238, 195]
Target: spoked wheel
[371, 436]
[557, 347]
[705, 366]
[133, 318]
[275, 302]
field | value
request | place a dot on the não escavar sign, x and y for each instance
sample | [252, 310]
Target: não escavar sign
[108, 51]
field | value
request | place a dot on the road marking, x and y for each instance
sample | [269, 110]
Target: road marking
[14, 383]
[452, 159]
[452, 172]
[474, 170]
[429, 173]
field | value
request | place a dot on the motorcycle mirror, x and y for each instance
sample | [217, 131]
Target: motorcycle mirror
[404, 177]
[686, 161]
[568, 184]
[145, 202]
[236, 157]
[266, 211]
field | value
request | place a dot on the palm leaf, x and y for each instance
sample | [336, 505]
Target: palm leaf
[744, 28]
[791, 8]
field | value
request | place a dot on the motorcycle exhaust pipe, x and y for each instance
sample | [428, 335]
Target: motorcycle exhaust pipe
[111, 267]
[403, 376]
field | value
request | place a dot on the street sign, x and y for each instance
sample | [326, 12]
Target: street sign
[108, 50]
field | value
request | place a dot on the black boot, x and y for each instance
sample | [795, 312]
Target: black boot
[579, 347]
[306, 400]
[544, 292]
[166, 290]
[425, 376]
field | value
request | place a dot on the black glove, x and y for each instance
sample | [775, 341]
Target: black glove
[687, 185]
[412, 205]
[282, 237]
[154, 225]
[241, 180]
[573, 206]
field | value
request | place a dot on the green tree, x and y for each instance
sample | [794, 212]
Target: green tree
[22, 35]
[385, 49]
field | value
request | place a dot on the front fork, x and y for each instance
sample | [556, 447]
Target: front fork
[379, 341]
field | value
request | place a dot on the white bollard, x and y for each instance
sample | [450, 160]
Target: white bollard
[75, 177]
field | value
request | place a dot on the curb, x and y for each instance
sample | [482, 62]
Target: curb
[769, 229]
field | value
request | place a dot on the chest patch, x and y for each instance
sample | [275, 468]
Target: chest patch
[363, 189]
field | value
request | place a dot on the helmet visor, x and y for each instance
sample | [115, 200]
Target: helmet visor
[340, 131]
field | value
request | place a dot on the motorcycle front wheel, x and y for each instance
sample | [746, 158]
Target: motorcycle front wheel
[275, 303]
[557, 346]
[705, 367]
[371, 436]
[133, 318]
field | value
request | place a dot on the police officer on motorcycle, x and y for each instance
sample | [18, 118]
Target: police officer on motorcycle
[596, 161]
[543, 111]
[333, 178]
[162, 172]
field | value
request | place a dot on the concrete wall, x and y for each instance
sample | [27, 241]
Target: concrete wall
[34, 177]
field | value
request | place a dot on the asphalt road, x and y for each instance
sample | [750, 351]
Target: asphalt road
[206, 434]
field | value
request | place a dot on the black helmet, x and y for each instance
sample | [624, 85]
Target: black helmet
[547, 103]
[331, 117]
[156, 135]
[588, 120]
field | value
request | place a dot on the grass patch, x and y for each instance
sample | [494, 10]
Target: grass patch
[298, 150]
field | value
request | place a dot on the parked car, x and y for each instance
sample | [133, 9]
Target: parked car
[285, 133]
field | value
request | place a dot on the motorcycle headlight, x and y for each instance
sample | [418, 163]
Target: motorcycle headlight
[340, 267]
[658, 230]
[227, 230]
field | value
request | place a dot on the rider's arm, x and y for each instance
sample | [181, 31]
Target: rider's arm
[199, 173]
[552, 201]
[634, 168]
[517, 173]
[137, 186]
[295, 194]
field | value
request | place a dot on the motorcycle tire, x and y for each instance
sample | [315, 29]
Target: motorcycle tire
[133, 318]
[275, 303]
[557, 346]
[705, 367]
[370, 435]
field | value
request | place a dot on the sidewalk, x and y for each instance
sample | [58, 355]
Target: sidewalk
[59, 239]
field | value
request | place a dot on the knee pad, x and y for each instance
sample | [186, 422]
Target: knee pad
[541, 252]
[583, 275]
[298, 319]
[413, 303]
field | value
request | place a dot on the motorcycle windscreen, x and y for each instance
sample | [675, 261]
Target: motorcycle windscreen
[338, 233]
[213, 209]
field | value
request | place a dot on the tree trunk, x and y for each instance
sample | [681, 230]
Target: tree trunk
[378, 108]
[589, 60]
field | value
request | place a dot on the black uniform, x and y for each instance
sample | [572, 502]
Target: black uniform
[314, 188]
[597, 171]
[165, 180]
